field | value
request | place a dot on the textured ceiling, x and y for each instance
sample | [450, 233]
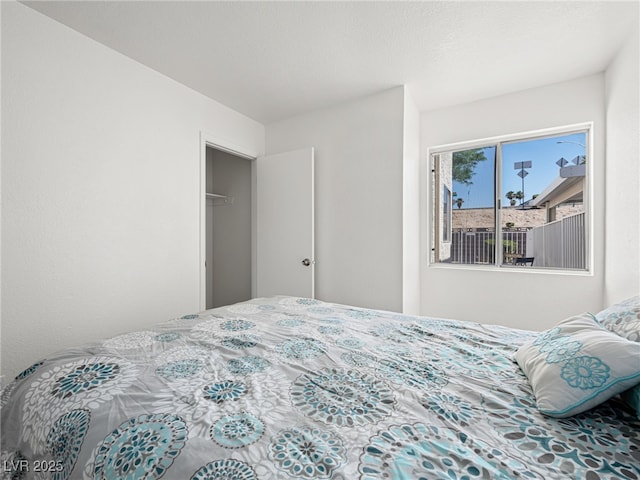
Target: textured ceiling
[274, 60]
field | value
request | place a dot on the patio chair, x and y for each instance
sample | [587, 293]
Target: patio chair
[524, 261]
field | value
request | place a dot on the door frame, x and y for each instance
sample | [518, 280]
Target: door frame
[213, 141]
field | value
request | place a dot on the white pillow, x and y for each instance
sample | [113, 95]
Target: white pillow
[623, 318]
[577, 365]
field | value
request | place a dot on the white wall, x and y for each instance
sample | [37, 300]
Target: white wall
[358, 186]
[100, 189]
[531, 300]
[622, 202]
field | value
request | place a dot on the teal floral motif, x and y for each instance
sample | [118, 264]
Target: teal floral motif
[449, 408]
[301, 348]
[583, 433]
[553, 343]
[332, 320]
[359, 359]
[468, 363]
[291, 322]
[547, 336]
[342, 397]
[65, 439]
[240, 342]
[405, 318]
[362, 314]
[140, 448]
[29, 371]
[393, 349]
[419, 451]
[224, 391]
[180, 369]
[307, 301]
[393, 332]
[320, 310]
[625, 323]
[237, 324]
[225, 469]
[329, 330]
[351, 343]
[84, 378]
[585, 372]
[237, 430]
[168, 337]
[307, 452]
[475, 343]
[563, 349]
[247, 365]
[419, 331]
[439, 325]
[586, 442]
[413, 373]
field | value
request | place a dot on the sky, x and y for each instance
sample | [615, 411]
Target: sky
[543, 155]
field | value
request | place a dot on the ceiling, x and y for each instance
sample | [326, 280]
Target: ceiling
[274, 60]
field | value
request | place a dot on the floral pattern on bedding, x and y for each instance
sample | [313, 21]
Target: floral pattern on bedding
[289, 387]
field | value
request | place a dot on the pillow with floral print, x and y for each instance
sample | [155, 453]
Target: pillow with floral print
[623, 318]
[577, 365]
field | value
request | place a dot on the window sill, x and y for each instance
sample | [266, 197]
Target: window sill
[510, 269]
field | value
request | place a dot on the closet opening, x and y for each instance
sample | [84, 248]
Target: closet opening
[228, 190]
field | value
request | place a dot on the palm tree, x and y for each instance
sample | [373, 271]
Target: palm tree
[459, 202]
[512, 197]
[520, 196]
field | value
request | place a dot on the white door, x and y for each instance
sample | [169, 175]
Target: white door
[285, 224]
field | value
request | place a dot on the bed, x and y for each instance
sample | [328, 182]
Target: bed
[288, 387]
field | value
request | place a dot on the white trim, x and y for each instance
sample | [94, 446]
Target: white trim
[511, 137]
[510, 269]
[313, 222]
[497, 187]
[209, 140]
[589, 195]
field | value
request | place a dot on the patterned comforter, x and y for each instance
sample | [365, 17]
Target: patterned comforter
[296, 388]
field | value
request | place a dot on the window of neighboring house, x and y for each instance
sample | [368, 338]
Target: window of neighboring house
[516, 202]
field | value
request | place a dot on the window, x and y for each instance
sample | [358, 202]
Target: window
[513, 202]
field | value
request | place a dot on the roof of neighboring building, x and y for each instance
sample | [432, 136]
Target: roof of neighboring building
[567, 187]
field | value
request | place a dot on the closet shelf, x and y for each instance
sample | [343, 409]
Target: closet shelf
[219, 199]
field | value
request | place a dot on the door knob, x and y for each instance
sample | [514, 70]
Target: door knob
[306, 262]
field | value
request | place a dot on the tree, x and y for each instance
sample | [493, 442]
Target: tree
[511, 196]
[519, 195]
[464, 165]
[459, 202]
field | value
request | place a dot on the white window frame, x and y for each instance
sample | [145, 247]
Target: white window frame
[432, 241]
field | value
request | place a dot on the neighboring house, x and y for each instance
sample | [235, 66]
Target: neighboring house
[567, 188]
